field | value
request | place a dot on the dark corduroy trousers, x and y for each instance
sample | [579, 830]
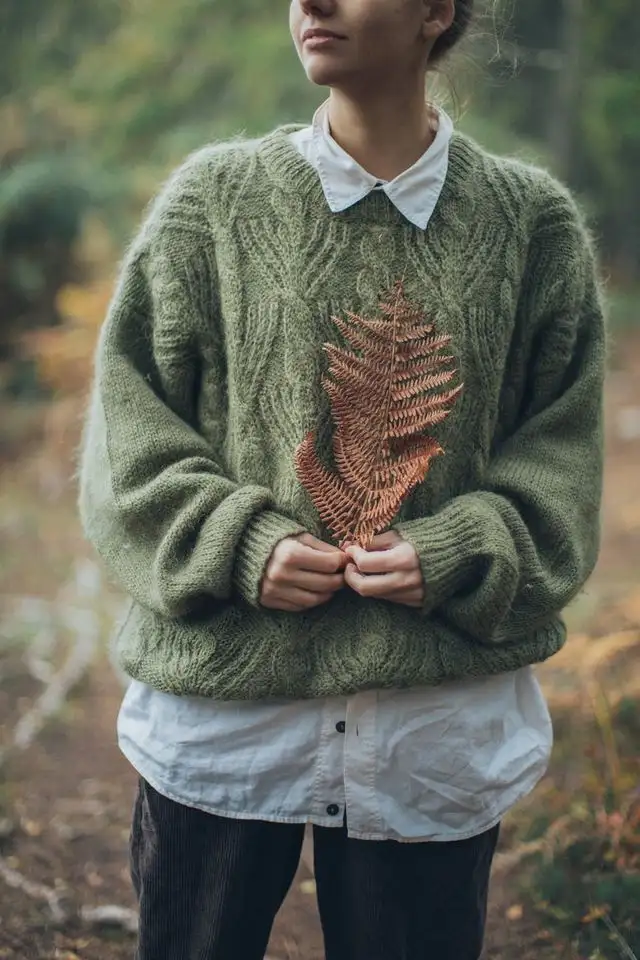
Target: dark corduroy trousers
[209, 888]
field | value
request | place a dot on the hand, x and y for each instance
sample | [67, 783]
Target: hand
[303, 572]
[388, 570]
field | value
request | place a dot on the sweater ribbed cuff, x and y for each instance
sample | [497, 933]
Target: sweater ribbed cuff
[450, 545]
[260, 537]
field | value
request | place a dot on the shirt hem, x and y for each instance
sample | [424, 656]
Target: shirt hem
[494, 816]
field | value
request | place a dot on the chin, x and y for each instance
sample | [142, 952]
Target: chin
[322, 74]
[321, 78]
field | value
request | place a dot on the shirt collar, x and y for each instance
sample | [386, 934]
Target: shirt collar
[415, 192]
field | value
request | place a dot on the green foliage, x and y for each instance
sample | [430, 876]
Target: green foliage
[585, 882]
[611, 142]
[43, 202]
[590, 903]
[205, 71]
[47, 182]
[603, 110]
[41, 42]
[624, 308]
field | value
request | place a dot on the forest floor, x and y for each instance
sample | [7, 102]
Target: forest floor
[66, 792]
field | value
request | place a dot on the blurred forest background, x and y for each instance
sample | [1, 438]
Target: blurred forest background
[99, 99]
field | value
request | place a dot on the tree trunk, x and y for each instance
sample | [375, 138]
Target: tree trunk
[566, 108]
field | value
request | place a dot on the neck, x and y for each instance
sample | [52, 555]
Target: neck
[386, 133]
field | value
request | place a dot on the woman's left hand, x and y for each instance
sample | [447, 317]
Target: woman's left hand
[388, 570]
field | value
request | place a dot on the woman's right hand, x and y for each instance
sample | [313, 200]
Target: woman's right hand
[303, 572]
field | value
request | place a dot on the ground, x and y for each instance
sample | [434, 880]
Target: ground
[66, 793]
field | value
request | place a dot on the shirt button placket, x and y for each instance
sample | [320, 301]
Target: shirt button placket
[333, 809]
[328, 797]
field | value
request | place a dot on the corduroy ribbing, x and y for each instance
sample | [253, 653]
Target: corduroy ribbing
[209, 373]
[209, 887]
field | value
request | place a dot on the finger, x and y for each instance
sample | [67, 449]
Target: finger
[294, 597]
[373, 585]
[310, 541]
[300, 556]
[314, 582]
[412, 597]
[351, 576]
[400, 557]
[317, 555]
[384, 541]
[282, 577]
[383, 588]
[369, 563]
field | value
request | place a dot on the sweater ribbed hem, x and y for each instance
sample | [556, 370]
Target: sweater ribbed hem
[261, 536]
[451, 546]
[307, 656]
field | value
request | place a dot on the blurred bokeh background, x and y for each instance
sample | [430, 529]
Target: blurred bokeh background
[99, 99]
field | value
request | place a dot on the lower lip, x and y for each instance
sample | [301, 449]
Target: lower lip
[319, 43]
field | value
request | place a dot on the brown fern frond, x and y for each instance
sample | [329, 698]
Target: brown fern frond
[383, 393]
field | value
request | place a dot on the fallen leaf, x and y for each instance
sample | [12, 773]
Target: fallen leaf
[94, 879]
[595, 913]
[31, 827]
[515, 912]
[543, 935]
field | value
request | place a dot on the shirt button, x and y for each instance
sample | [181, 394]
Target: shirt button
[341, 726]
[333, 809]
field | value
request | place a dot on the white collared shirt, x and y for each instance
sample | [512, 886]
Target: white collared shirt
[414, 192]
[440, 763]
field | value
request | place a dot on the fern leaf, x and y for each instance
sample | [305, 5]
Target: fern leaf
[413, 387]
[384, 392]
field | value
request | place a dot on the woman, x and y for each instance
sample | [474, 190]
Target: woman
[373, 679]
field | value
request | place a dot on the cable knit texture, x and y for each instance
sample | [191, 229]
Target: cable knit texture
[208, 376]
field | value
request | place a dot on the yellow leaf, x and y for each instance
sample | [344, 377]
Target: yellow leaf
[595, 913]
[31, 827]
[308, 886]
[515, 912]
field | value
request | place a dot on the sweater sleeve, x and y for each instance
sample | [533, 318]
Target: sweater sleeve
[171, 527]
[502, 560]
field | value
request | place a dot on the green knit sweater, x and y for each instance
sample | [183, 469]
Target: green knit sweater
[208, 375]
